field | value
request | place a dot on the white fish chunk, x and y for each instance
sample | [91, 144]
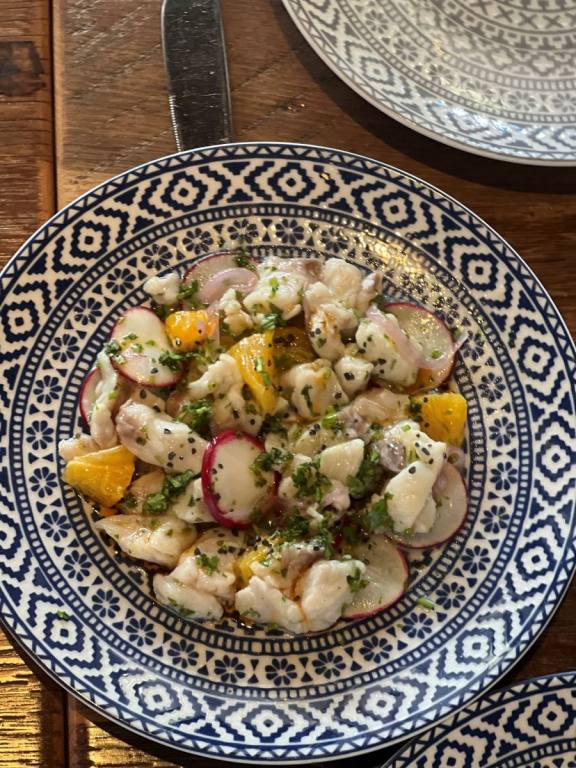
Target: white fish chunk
[164, 289]
[158, 439]
[353, 374]
[325, 589]
[376, 347]
[159, 540]
[339, 462]
[314, 388]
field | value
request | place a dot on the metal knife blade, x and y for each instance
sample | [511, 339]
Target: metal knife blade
[195, 60]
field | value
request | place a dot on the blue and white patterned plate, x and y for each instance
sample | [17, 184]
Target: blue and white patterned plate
[494, 77]
[240, 693]
[529, 725]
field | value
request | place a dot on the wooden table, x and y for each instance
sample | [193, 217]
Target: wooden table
[82, 97]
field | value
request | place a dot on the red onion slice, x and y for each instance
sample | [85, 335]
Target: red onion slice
[216, 286]
[405, 346]
[392, 455]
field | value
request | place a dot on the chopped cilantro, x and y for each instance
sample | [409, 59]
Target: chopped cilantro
[295, 528]
[155, 504]
[184, 612]
[243, 260]
[276, 459]
[273, 425]
[63, 615]
[310, 482]
[436, 354]
[208, 564]
[415, 409]
[174, 486]
[173, 360]
[189, 294]
[129, 501]
[251, 613]
[260, 368]
[271, 321]
[197, 416]
[274, 284]
[113, 348]
[369, 476]
[305, 391]
[331, 421]
[356, 581]
[377, 518]
[162, 310]
[426, 603]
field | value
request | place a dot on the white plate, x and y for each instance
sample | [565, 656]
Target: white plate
[494, 77]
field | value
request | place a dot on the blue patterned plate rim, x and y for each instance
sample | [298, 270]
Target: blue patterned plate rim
[482, 721]
[439, 115]
[296, 157]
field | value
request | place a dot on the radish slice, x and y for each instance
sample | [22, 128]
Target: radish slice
[387, 576]
[210, 266]
[88, 394]
[141, 340]
[215, 287]
[438, 349]
[233, 492]
[451, 510]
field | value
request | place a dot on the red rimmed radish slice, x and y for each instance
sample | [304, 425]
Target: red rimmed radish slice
[387, 576]
[434, 337]
[88, 394]
[140, 340]
[233, 492]
[451, 509]
[210, 267]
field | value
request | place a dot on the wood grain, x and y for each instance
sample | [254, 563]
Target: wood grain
[26, 151]
[111, 99]
[31, 715]
[110, 106]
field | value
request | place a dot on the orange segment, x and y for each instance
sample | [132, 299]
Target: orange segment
[255, 359]
[186, 329]
[292, 347]
[442, 416]
[103, 476]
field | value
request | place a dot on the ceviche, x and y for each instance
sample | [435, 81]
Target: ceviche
[270, 436]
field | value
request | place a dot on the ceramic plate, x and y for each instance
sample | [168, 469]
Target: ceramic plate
[529, 725]
[494, 77]
[239, 693]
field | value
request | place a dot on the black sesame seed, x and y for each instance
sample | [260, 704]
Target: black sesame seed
[172, 455]
[349, 376]
[411, 470]
[167, 431]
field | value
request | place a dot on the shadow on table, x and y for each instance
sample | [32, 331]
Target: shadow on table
[496, 173]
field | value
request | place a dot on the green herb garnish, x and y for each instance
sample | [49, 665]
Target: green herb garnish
[174, 485]
[356, 581]
[369, 476]
[377, 518]
[208, 564]
[197, 416]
